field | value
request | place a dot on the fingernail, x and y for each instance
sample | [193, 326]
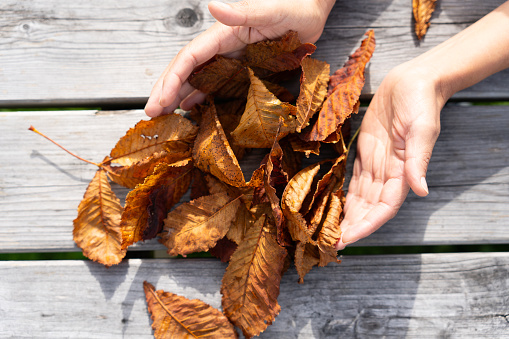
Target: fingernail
[220, 4]
[424, 185]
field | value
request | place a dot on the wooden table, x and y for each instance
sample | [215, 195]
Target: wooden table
[109, 54]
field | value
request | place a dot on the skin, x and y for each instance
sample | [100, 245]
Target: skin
[402, 123]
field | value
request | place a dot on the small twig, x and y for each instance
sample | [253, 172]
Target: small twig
[31, 128]
[352, 139]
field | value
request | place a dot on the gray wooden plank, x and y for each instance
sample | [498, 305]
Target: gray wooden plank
[414, 296]
[97, 52]
[41, 186]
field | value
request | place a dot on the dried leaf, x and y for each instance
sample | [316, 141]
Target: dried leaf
[199, 185]
[212, 152]
[259, 123]
[97, 227]
[347, 84]
[175, 316]
[223, 77]
[149, 137]
[423, 10]
[244, 219]
[278, 55]
[313, 89]
[224, 249]
[330, 232]
[250, 285]
[196, 226]
[306, 257]
[148, 204]
[306, 147]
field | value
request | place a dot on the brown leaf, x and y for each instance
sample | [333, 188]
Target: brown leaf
[175, 316]
[212, 152]
[306, 147]
[148, 204]
[277, 55]
[250, 285]
[149, 137]
[347, 84]
[313, 89]
[224, 249]
[330, 232]
[244, 219]
[223, 77]
[423, 10]
[199, 185]
[306, 257]
[259, 123]
[196, 226]
[97, 227]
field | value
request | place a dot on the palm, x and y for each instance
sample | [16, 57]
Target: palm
[396, 132]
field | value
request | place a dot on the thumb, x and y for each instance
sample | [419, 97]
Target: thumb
[242, 13]
[419, 146]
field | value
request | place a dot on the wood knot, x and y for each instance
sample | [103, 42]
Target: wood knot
[186, 17]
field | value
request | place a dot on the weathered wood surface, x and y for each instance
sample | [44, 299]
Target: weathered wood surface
[41, 186]
[112, 52]
[412, 296]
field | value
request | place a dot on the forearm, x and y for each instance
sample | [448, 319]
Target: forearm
[470, 56]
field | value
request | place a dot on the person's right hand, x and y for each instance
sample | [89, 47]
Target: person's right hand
[239, 24]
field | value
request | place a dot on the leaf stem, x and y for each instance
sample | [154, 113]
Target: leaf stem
[352, 139]
[31, 128]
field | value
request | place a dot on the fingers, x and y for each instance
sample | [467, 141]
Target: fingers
[243, 13]
[419, 146]
[364, 217]
[172, 88]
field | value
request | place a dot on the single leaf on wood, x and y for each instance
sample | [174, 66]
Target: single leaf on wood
[313, 89]
[223, 77]
[150, 201]
[97, 227]
[196, 226]
[423, 10]
[306, 257]
[174, 316]
[346, 83]
[250, 285]
[277, 55]
[150, 136]
[212, 152]
[260, 121]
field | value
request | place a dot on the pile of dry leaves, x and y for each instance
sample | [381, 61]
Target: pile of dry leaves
[282, 213]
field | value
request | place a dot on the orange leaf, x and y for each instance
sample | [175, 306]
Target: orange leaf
[212, 152]
[97, 227]
[149, 137]
[196, 226]
[260, 121]
[330, 232]
[423, 10]
[313, 89]
[346, 84]
[244, 219]
[251, 282]
[306, 147]
[174, 316]
[148, 204]
[224, 249]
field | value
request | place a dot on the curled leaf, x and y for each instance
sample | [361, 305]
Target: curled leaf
[97, 227]
[423, 10]
[174, 316]
[251, 282]
[196, 226]
[212, 152]
[306, 257]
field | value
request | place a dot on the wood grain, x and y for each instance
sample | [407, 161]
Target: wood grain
[41, 186]
[96, 52]
[414, 296]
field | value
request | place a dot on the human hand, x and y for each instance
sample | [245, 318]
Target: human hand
[395, 143]
[239, 24]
